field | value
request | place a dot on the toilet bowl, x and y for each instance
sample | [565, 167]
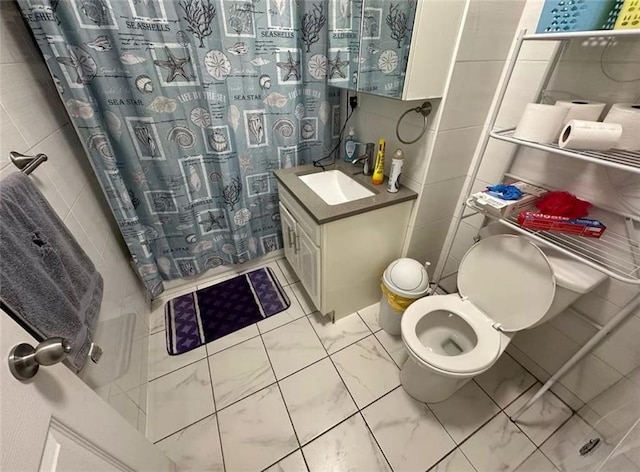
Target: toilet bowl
[506, 283]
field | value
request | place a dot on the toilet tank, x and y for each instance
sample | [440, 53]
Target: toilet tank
[573, 279]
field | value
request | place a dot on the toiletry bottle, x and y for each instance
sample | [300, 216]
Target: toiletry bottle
[393, 185]
[350, 145]
[378, 169]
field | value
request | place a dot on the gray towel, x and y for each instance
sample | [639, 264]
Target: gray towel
[46, 279]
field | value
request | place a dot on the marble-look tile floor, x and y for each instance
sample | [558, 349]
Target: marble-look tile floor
[295, 392]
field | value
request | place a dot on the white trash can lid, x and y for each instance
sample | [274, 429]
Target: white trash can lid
[406, 277]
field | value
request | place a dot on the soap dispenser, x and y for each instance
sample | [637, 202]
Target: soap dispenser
[350, 145]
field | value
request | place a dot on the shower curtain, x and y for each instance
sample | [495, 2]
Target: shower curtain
[185, 107]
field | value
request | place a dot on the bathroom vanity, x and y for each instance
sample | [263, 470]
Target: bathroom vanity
[339, 251]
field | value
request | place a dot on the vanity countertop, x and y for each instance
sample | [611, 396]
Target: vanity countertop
[320, 211]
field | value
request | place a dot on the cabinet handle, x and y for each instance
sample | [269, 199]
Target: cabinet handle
[289, 231]
[296, 246]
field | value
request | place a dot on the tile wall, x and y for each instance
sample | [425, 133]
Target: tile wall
[436, 166]
[544, 349]
[33, 120]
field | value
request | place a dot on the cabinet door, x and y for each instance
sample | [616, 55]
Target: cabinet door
[386, 27]
[288, 236]
[309, 265]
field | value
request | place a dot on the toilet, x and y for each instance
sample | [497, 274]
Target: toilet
[505, 284]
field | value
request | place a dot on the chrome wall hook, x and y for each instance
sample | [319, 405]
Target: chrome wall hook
[27, 164]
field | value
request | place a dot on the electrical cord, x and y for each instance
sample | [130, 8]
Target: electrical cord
[353, 103]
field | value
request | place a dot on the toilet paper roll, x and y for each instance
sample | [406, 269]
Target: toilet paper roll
[628, 115]
[540, 123]
[592, 135]
[588, 110]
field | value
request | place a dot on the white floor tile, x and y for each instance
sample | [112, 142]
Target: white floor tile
[565, 442]
[139, 396]
[407, 432]
[505, 381]
[499, 445]
[178, 399]
[125, 406]
[256, 432]
[289, 274]
[316, 399]
[367, 370]
[394, 346]
[292, 313]
[465, 411]
[161, 363]
[634, 376]
[141, 330]
[619, 405]
[277, 271]
[133, 373]
[542, 418]
[537, 462]
[301, 294]
[293, 347]
[291, 463]
[142, 422]
[195, 448]
[347, 447]
[335, 336]
[620, 463]
[232, 339]
[563, 446]
[370, 316]
[240, 371]
[454, 462]
[156, 318]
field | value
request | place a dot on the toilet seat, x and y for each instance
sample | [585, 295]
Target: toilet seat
[478, 359]
[506, 284]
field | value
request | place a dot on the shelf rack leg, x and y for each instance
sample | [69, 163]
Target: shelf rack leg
[583, 351]
[477, 160]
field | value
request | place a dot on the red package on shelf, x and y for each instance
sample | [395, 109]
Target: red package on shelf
[561, 224]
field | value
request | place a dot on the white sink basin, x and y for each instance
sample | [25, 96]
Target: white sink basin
[335, 187]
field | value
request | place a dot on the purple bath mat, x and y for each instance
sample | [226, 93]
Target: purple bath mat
[208, 314]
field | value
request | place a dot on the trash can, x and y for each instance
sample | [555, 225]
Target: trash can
[403, 282]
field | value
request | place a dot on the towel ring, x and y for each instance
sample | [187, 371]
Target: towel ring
[424, 110]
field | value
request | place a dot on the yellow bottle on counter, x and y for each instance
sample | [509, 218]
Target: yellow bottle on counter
[378, 168]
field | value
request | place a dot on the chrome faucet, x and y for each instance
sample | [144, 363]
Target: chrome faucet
[366, 158]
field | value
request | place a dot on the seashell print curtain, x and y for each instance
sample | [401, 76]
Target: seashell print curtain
[185, 107]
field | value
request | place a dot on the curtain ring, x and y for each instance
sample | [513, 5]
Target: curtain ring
[424, 110]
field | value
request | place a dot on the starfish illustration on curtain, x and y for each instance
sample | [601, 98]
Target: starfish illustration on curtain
[290, 67]
[175, 65]
[336, 66]
[212, 222]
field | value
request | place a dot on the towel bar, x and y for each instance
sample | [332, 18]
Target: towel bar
[27, 164]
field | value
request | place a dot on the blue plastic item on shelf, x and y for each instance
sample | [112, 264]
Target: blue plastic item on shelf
[563, 16]
[505, 192]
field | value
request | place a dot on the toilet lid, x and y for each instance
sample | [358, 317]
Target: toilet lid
[510, 279]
